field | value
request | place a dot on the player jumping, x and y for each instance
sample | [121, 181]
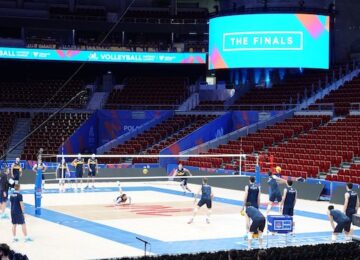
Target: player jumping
[274, 192]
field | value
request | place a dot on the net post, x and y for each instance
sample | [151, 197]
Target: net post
[240, 161]
[38, 185]
[257, 170]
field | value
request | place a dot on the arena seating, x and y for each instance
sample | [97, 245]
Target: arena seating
[158, 137]
[53, 134]
[80, 13]
[320, 149]
[257, 142]
[210, 105]
[343, 97]
[164, 92]
[34, 93]
[7, 124]
[289, 91]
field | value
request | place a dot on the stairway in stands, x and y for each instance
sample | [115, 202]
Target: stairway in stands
[342, 97]
[21, 129]
[158, 137]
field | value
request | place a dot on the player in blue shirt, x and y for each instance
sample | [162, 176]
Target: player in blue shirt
[351, 204]
[343, 223]
[288, 200]
[4, 187]
[17, 213]
[257, 220]
[274, 190]
[206, 198]
[252, 195]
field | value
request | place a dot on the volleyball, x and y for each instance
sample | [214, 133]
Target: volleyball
[255, 235]
[242, 213]
[278, 169]
[145, 171]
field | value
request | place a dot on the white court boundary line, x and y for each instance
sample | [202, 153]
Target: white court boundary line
[150, 155]
[150, 177]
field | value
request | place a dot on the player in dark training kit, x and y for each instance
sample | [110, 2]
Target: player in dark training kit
[78, 163]
[181, 171]
[257, 220]
[252, 195]
[206, 199]
[274, 190]
[41, 166]
[92, 171]
[17, 213]
[4, 188]
[343, 223]
[288, 202]
[351, 204]
[16, 171]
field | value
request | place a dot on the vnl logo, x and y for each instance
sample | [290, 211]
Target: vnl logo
[263, 41]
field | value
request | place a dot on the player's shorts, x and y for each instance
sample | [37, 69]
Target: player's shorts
[254, 204]
[3, 198]
[350, 212]
[275, 196]
[184, 181]
[61, 174]
[123, 198]
[207, 202]
[79, 174]
[257, 225]
[92, 173]
[345, 225]
[16, 176]
[288, 211]
[17, 219]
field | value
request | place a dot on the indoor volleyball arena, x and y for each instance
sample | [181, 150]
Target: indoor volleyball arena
[179, 129]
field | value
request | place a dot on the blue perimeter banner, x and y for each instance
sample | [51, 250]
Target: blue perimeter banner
[269, 41]
[104, 126]
[102, 56]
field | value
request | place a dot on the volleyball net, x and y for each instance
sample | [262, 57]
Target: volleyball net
[124, 167]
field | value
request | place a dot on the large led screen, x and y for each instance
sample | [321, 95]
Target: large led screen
[269, 41]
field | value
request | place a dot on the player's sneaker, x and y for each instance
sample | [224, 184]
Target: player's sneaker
[4, 216]
[208, 221]
[28, 239]
[15, 239]
[86, 187]
[191, 221]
